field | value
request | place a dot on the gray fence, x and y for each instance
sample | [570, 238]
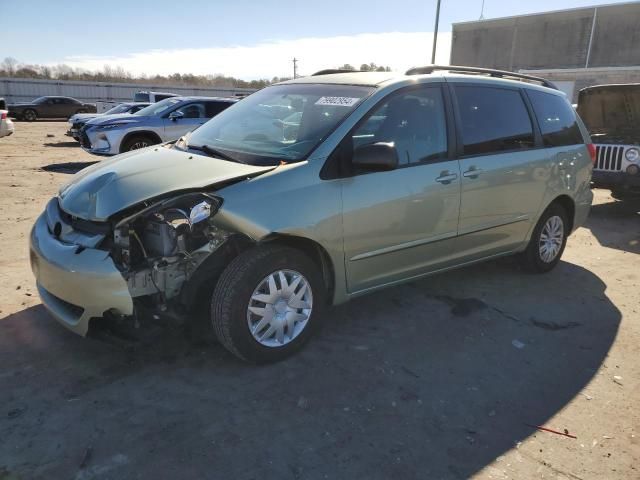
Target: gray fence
[27, 89]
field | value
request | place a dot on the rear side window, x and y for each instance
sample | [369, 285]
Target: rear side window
[493, 120]
[214, 108]
[159, 96]
[556, 118]
[141, 97]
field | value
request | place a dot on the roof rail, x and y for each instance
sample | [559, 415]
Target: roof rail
[487, 71]
[329, 71]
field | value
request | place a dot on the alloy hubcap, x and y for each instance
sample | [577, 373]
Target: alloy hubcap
[551, 239]
[139, 145]
[280, 308]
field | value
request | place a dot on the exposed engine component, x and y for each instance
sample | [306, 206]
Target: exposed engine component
[159, 247]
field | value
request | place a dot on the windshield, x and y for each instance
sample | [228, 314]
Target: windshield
[612, 109]
[122, 108]
[283, 122]
[158, 108]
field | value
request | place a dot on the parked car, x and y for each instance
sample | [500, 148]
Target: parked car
[49, 107]
[164, 121]
[612, 116]
[264, 234]
[78, 120]
[6, 125]
[152, 97]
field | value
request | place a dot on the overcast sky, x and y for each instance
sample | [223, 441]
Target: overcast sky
[246, 39]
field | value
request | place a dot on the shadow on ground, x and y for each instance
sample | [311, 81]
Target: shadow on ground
[617, 224]
[62, 144]
[67, 167]
[434, 379]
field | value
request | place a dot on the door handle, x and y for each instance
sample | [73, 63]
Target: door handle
[473, 172]
[446, 178]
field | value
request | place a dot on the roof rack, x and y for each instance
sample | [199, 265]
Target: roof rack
[487, 71]
[329, 71]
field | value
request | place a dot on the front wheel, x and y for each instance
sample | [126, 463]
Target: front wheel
[547, 242]
[30, 115]
[267, 303]
[136, 143]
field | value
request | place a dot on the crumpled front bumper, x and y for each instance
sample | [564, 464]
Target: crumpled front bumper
[75, 283]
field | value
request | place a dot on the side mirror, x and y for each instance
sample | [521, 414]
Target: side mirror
[174, 116]
[375, 156]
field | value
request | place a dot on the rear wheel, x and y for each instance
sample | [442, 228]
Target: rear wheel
[267, 303]
[137, 142]
[30, 115]
[547, 242]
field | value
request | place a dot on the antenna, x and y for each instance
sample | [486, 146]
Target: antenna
[482, 11]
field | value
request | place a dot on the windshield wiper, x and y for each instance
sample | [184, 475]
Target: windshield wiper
[212, 152]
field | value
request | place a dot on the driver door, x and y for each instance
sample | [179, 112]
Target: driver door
[192, 116]
[402, 223]
[47, 109]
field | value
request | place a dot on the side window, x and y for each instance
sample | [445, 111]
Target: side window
[159, 97]
[414, 121]
[214, 108]
[192, 110]
[493, 120]
[556, 118]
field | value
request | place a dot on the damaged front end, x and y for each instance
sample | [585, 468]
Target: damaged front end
[159, 249]
[147, 259]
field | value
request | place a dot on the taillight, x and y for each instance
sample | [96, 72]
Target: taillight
[3, 115]
[592, 151]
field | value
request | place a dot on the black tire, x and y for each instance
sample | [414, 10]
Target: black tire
[137, 142]
[30, 115]
[531, 259]
[236, 285]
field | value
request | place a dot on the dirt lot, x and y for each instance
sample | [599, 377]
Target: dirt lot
[439, 379]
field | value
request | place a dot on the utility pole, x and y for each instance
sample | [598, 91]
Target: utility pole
[435, 34]
[295, 67]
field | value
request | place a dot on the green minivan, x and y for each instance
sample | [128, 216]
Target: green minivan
[313, 191]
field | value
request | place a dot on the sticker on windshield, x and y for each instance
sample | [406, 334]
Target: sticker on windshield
[338, 101]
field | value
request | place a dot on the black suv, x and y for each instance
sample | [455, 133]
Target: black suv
[612, 115]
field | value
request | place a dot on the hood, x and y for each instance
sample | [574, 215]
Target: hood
[83, 117]
[99, 191]
[116, 118]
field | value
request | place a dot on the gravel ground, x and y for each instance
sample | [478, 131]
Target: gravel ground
[443, 378]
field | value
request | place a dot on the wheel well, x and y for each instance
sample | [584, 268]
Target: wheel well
[313, 250]
[198, 287]
[569, 206]
[152, 135]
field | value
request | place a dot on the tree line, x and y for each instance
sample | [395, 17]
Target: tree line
[10, 67]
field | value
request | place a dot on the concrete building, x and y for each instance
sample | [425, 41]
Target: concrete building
[576, 48]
